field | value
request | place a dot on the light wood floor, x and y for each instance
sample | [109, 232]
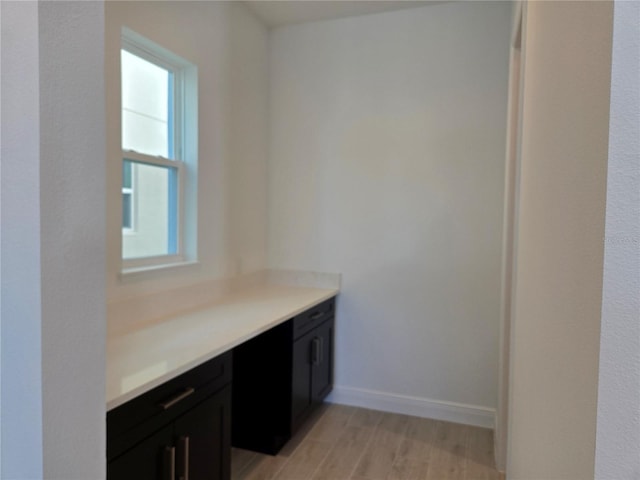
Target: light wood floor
[349, 443]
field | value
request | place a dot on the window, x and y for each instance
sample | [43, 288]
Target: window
[159, 161]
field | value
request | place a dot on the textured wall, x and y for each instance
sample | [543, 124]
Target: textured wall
[53, 292]
[72, 195]
[556, 327]
[386, 164]
[20, 312]
[618, 437]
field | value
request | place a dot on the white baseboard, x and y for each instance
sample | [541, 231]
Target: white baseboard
[416, 406]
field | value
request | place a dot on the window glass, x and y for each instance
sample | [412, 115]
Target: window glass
[127, 211]
[156, 211]
[127, 173]
[146, 106]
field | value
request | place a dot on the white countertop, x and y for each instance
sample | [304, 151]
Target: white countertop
[140, 360]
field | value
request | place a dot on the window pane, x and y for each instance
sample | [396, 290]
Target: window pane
[127, 214]
[155, 197]
[126, 174]
[144, 134]
[146, 106]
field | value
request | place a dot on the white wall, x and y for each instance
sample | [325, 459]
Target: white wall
[229, 47]
[386, 164]
[20, 312]
[556, 327]
[72, 196]
[509, 239]
[53, 309]
[249, 78]
[618, 422]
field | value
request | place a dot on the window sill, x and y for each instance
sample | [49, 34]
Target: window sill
[148, 270]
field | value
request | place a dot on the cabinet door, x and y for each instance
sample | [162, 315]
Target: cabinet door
[203, 440]
[301, 378]
[151, 459]
[322, 362]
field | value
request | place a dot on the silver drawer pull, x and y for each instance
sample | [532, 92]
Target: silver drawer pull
[169, 463]
[184, 445]
[316, 316]
[315, 352]
[178, 398]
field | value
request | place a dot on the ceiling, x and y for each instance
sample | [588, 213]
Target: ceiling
[278, 13]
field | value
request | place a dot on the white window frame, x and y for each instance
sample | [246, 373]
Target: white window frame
[184, 161]
[131, 230]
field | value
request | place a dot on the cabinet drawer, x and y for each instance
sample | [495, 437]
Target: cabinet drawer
[143, 415]
[313, 317]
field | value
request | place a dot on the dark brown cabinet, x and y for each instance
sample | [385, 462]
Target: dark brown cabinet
[280, 377]
[203, 439]
[183, 429]
[322, 368]
[148, 460]
[180, 430]
[312, 377]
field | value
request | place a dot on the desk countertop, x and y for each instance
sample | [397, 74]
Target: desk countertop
[142, 359]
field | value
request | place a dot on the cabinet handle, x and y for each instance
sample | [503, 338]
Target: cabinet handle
[321, 348]
[184, 446]
[178, 398]
[315, 351]
[316, 316]
[170, 463]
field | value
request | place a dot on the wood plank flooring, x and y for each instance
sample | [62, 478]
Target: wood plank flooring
[349, 443]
